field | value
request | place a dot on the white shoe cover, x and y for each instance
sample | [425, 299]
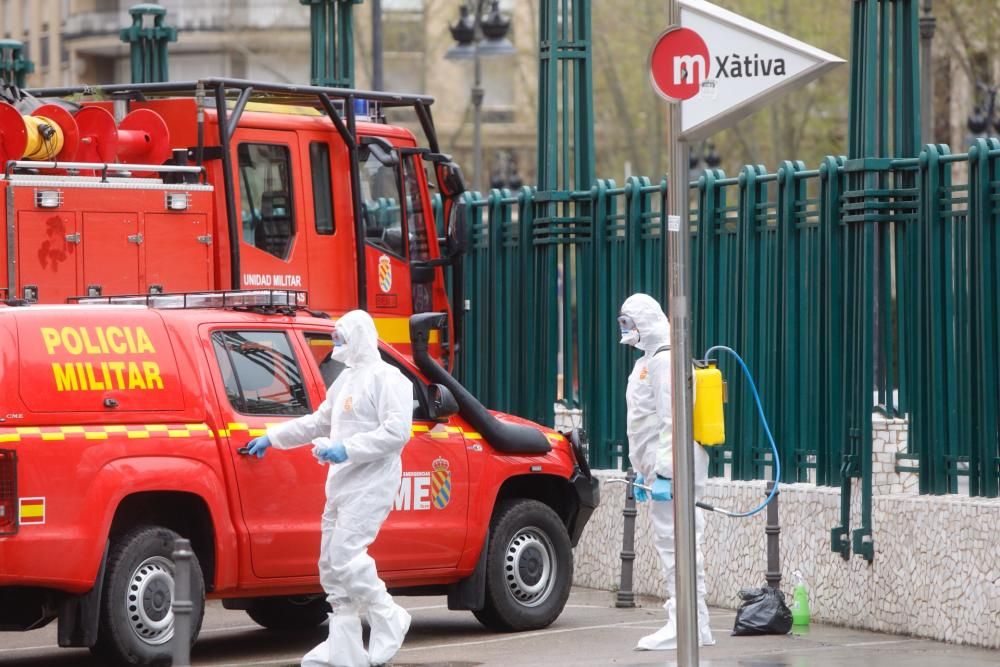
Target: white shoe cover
[389, 624]
[343, 646]
[705, 637]
[664, 639]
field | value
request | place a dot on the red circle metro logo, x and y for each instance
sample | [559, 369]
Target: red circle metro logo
[678, 63]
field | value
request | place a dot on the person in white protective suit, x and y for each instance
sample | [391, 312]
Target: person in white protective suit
[360, 429]
[644, 326]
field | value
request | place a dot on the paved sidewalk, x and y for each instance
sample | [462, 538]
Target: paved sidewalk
[591, 632]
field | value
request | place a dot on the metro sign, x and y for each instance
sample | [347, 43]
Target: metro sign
[720, 67]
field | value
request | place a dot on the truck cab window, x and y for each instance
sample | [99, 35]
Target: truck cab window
[321, 346]
[419, 407]
[319, 161]
[266, 197]
[416, 225]
[260, 373]
[380, 199]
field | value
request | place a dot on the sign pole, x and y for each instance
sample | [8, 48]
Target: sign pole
[679, 248]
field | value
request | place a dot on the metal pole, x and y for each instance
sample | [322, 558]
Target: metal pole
[773, 532]
[378, 82]
[181, 603]
[477, 99]
[927, 25]
[678, 245]
[626, 597]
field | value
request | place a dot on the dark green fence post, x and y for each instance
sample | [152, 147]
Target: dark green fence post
[14, 67]
[148, 44]
[332, 37]
[831, 434]
[984, 298]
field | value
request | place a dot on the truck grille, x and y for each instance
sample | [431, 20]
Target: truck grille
[8, 492]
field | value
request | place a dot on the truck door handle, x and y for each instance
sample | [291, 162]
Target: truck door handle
[243, 451]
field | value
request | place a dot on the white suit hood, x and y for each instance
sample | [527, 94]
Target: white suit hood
[653, 325]
[360, 339]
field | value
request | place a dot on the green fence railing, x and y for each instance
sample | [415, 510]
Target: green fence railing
[811, 274]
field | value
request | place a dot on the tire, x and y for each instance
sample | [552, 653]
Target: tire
[140, 570]
[289, 613]
[529, 567]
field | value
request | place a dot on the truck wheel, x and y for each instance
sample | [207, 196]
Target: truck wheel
[136, 622]
[529, 567]
[292, 613]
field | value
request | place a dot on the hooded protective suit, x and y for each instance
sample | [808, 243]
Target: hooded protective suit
[368, 409]
[648, 425]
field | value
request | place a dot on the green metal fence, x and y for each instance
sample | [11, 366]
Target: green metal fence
[809, 273]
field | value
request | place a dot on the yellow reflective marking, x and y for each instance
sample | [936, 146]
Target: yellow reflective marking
[10, 437]
[222, 433]
[95, 435]
[421, 428]
[238, 427]
[397, 330]
[439, 435]
[53, 436]
[137, 435]
[72, 429]
[156, 427]
[115, 428]
[179, 434]
[28, 430]
[472, 435]
[258, 431]
[453, 429]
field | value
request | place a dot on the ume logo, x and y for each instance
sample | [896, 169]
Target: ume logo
[679, 63]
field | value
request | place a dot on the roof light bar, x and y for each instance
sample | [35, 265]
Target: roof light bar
[221, 299]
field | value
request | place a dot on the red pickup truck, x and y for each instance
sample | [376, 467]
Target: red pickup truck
[120, 430]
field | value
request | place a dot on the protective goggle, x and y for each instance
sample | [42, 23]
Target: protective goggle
[338, 338]
[626, 323]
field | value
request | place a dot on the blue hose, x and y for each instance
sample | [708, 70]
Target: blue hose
[767, 430]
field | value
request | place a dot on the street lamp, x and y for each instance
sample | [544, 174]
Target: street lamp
[985, 113]
[478, 35]
[703, 153]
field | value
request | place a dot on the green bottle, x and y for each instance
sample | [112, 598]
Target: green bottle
[800, 601]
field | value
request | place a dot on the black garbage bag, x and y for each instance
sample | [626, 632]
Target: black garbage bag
[762, 612]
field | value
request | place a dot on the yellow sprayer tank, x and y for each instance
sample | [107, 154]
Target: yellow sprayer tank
[710, 391]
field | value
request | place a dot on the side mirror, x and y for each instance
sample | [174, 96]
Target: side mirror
[441, 403]
[450, 179]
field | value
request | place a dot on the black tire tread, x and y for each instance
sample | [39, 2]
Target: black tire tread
[500, 613]
[283, 615]
[107, 647]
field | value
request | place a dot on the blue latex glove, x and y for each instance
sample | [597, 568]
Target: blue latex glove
[640, 494]
[335, 453]
[663, 489]
[258, 446]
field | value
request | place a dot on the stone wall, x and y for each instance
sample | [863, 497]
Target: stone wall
[888, 439]
[936, 571]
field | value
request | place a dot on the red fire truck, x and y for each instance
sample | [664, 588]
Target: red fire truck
[227, 184]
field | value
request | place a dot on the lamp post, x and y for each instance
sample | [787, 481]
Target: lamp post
[927, 26]
[478, 35]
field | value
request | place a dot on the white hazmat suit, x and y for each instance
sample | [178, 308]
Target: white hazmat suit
[651, 453]
[369, 410]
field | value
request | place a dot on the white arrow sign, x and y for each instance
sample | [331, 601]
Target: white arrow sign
[722, 67]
